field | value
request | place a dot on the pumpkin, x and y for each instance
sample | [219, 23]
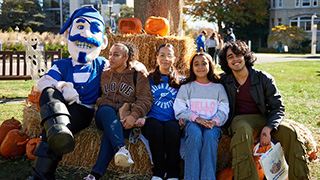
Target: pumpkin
[8, 125]
[157, 26]
[14, 144]
[31, 147]
[226, 174]
[34, 96]
[130, 26]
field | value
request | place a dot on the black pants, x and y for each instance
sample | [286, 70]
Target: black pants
[164, 141]
[212, 51]
[46, 160]
[81, 116]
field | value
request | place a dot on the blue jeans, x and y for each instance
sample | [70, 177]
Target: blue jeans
[201, 151]
[113, 137]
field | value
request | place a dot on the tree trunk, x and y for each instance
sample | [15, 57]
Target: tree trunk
[170, 9]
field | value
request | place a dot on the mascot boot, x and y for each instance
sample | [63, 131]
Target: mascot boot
[55, 118]
[45, 164]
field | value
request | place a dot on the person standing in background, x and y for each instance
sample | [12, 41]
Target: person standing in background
[200, 41]
[218, 47]
[211, 44]
[231, 37]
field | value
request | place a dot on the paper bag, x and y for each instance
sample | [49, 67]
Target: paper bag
[274, 164]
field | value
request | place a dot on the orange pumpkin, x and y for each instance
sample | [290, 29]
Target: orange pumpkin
[14, 144]
[157, 26]
[130, 26]
[8, 125]
[226, 174]
[34, 96]
[31, 147]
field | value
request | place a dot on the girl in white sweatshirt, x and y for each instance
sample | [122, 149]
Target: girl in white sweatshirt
[203, 104]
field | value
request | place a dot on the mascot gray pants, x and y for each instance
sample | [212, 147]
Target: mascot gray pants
[60, 121]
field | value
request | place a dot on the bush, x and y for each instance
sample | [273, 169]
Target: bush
[52, 47]
[15, 47]
[10, 29]
[28, 30]
[267, 50]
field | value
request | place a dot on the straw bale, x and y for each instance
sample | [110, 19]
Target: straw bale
[31, 120]
[87, 149]
[147, 46]
[88, 145]
[224, 155]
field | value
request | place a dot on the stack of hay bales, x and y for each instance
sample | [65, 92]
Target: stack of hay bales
[147, 46]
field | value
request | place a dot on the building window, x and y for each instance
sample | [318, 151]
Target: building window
[279, 21]
[297, 3]
[315, 3]
[304, 22]
[273, 3]
[280, 3]
[272, 22]
[306, 3]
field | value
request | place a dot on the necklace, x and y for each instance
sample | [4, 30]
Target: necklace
[237, 88]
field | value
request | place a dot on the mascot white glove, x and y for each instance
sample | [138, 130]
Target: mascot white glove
[68, 92]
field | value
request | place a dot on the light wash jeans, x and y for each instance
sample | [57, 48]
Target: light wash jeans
[113, 137]
[201, 151]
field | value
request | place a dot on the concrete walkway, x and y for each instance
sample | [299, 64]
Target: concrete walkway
[270, 58]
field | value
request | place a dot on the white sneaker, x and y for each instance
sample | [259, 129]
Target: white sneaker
[89, 177]
[156, 178]
[123, 157]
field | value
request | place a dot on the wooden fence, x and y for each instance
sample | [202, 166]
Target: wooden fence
[13, 64]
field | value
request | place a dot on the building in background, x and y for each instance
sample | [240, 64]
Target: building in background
[295, 13]
[52, 9]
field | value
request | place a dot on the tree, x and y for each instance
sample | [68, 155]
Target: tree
[291, 36]
[170, 9]
[22, 13]
[227, 12]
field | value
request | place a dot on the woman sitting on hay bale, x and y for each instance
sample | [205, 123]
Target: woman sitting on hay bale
[161, 128]
[119, 85]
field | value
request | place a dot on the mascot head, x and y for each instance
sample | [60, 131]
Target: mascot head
[84, 32]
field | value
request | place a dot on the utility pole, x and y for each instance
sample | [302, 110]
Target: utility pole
[313, 35]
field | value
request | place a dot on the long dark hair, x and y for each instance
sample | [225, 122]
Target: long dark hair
[155, 76]
[130, 49]
[238, 48]
[212, 76]
[212, 37]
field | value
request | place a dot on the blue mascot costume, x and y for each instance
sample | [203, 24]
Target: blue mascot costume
[70, 89]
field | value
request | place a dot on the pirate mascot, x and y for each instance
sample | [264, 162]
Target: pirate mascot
[70, 89]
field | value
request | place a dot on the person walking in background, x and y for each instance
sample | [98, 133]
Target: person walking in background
[211, 44]
[200, 41]
[161, 127]
[119, 84]
[218, 48]
[256, 109]
[203, 104]
[230, 37]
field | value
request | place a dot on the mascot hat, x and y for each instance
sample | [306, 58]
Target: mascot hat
[86, 11]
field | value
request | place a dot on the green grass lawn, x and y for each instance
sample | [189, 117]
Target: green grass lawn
[298, 82]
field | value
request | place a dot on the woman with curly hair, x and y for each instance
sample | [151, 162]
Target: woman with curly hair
[119, 84]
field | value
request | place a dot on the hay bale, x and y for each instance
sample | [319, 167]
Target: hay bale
[31, 120]
[224, 155]
[87, 149]
[148, 44]
[306, 135]
[88, 145]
